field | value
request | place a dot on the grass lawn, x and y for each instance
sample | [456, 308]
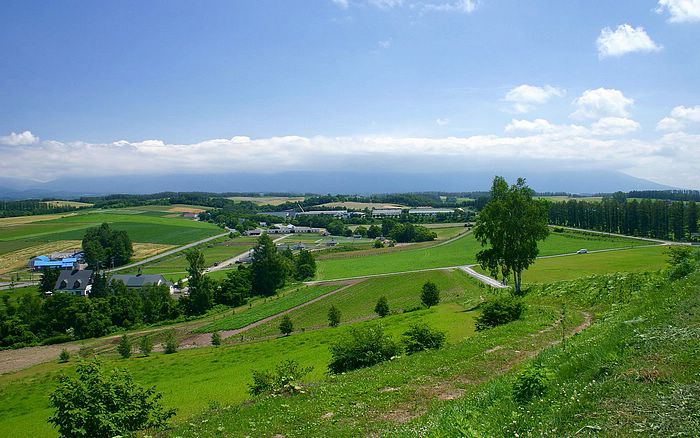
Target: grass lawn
[357, 302]
[269, 307]
[456, 253]
[191, 380]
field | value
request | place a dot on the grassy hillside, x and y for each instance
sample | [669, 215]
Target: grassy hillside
[630, 370]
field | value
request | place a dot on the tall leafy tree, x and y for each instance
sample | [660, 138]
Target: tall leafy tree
[510, 224]
[201, 288]
[48, 280]
[269, 270]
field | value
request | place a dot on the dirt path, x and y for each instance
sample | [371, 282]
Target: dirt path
[204, 339]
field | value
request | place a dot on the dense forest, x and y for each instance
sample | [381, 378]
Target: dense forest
[33, 207]
[646, 218]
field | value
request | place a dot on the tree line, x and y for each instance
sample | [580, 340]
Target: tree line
[111, 306]
[644, 218]
[33, 207]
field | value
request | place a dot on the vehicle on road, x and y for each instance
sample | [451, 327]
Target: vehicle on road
[582, 251]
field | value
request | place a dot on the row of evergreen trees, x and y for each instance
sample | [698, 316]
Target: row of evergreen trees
[646, 218]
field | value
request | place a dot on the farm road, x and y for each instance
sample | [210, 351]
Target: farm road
[204, 339]
[167, 253]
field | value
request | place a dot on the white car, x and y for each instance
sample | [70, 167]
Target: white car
[582, 251]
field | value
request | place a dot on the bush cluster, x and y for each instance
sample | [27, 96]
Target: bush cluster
[283, 380]
[498, 311]
[531, 382]
[421, 337]
[363, 347]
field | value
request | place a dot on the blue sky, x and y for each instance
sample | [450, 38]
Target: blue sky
[206, 85]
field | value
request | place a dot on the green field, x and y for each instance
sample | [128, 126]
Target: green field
[191, 380]
[275, 305]
[145, 226]
[459, 252]
[357, 302]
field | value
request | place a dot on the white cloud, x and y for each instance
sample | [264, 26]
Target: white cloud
[690, 114]
[465, 6]
[625, 39]
[386, 4]
[442, 121]
[23, 138]
[614, 126]
[601, 102]
[680, 11]
[679, 118]
[342, 3]
[385, 44]
[537, 125]
[670, 159]
[525, 97]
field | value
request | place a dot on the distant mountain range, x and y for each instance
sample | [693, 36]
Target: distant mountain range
[346, 182]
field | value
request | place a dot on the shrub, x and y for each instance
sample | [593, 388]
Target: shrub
[58, 339]
[333, 316]
[286, 326]
[64, 356]
[146, 345]
[124, 347]
[86, 352]
[501, 310]
[530, 383]
[362, 347]
[283, 380]
[382, 307]
[421, 337]
[170, 345]
[430, 295]
[378, 244]
[216, 338]
[97, 405]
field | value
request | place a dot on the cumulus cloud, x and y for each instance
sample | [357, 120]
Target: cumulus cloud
[385, 44]
[680, 11]
[23, 138]
[679, 118]
[342, 3]
[537, 125]
[625, 39]
[525, 97]
[614, 126]
[601, 102]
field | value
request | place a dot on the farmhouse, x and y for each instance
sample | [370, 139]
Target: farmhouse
[141, 280]
[75, 282]
[334, 213]
[190, 215]
[67, 260]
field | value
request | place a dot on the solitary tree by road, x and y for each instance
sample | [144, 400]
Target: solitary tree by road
[333, 316]
[382, 307]
[430, 295]
[511, 224]
[286, 325]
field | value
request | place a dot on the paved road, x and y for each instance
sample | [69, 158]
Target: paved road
[169, 252]
[232, 260]
[5, 286]
[648, 239]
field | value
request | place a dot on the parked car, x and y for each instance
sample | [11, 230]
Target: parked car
[582, 251]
